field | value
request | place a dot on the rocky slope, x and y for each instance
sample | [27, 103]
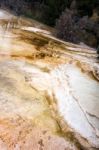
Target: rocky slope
[49, 90]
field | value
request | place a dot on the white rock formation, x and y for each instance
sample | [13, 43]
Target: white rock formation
[49, 90]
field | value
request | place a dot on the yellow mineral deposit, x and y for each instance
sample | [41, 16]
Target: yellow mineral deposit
[49, 89]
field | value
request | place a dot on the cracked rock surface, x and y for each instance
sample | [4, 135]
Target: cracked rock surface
[49, 89]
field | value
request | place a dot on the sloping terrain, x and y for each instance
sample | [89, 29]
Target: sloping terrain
[49, 90]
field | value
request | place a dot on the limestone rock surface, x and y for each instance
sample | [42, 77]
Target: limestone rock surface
[49, 90]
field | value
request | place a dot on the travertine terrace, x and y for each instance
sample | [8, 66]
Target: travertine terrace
[49, 89]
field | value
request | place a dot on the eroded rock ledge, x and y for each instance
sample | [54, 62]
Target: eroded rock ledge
[49, 90]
